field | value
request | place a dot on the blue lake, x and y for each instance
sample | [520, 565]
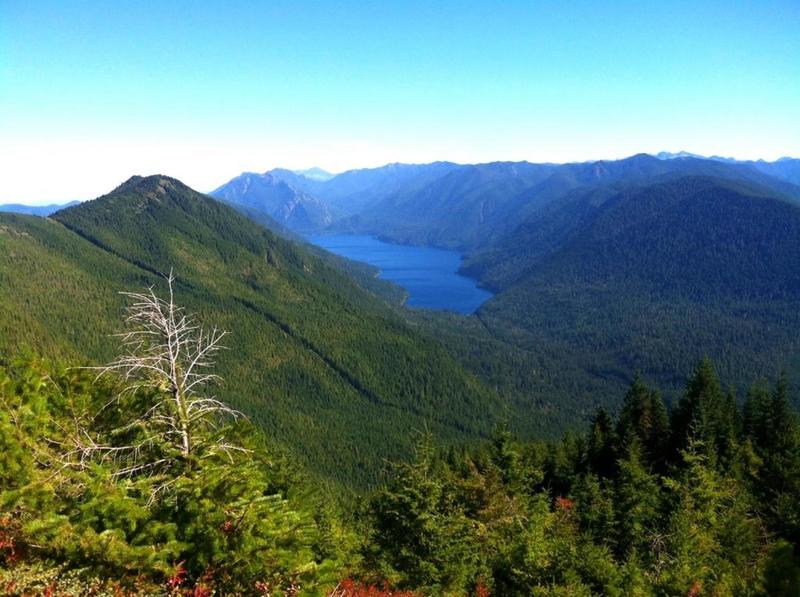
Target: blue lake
[429, 275]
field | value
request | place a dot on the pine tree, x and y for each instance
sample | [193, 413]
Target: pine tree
[564, 463]
[506, 457]
[756, 423]
[711, 536]
[782, 571]
[643, 417]
[783, 436]
[637, 501]
[773, 429]
[419, 537]
[595, 504]
[704, 414]
[100, 480]
[601, 445]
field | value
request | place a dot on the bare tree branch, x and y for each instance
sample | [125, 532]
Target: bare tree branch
[164, 351]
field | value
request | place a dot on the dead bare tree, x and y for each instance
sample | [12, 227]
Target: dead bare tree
[164, 351]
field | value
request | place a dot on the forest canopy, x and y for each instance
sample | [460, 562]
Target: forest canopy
[703, 500]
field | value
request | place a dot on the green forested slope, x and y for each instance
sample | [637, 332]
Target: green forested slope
[652, 279]
[703, 499]
[364, 274]
[324, 367]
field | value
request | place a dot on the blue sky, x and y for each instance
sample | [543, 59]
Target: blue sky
[93, 92]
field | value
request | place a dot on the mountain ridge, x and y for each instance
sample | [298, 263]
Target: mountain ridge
[469, 206]
[327, 369]
[285, 203]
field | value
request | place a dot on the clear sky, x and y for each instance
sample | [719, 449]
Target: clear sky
[93, 92]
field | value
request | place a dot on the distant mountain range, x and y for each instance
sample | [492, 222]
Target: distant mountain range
[785, 168]
[645, 262]
[463, 206]
[315, 174]
[35, 210]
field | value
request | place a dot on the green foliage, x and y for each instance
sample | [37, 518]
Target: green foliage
[525, 519]
[505, 517]
[418, 534]
[638, 502]
[705, 501]
[224, 523]
[771, 427]
[712, 537]
[643, 419]
[705, 415]
[782, 571]
[601, 445]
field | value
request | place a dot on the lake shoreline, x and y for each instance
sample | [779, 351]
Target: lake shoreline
[429, 275]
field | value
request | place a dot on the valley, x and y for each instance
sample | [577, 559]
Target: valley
[383, 399]
[602, 268]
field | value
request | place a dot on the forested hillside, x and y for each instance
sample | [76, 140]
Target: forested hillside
[651, 278]
[98, 497]
[452, 330]
[103, 490]
[476, 206]
[701, 502]
[323, 366]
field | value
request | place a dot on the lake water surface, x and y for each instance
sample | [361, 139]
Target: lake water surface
[429, 275]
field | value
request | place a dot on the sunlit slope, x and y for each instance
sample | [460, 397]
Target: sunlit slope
[327, 368]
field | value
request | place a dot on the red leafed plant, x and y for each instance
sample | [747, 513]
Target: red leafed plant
[351, 588]
[6, 542]
[8, 546]
[202, 588]
[481, 590]
[178, 577]
[563, 504]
